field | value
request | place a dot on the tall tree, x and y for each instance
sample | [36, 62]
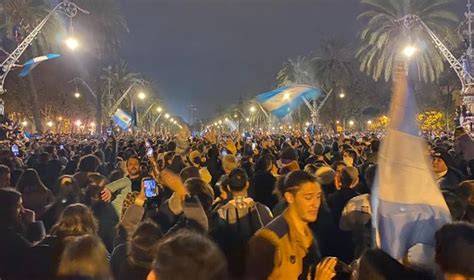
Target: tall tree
[106, 25]
[25, 15]
[384, 37]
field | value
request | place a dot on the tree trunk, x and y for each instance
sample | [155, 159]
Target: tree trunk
[98, 112]
[35, 104]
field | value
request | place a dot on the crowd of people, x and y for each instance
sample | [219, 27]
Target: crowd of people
[218, 206]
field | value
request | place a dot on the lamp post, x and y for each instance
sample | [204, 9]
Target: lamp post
[67, 8]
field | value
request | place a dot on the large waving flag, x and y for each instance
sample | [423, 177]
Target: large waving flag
[122, 119]
[282, 101]
[408, 207]
[32, 63]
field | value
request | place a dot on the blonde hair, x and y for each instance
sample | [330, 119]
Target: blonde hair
[229, 163]
[76, 220]
[85, 256]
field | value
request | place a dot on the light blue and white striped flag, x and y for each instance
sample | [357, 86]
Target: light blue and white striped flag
[122, 119]
[282, 101]
[408, 207]
[32, 63]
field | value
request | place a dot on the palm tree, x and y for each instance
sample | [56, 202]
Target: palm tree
[108, 25]
[384, 37]
[121, 78]
[27, 14]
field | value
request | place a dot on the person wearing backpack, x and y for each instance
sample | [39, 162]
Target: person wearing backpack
[242, 217]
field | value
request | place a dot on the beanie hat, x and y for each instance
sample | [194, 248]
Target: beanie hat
[325, 175]
[443, 155]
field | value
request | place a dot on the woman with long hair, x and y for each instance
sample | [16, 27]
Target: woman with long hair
[35, 194]
[84, 257]
[76, 220]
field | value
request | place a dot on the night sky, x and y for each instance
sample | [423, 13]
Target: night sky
[210, 52]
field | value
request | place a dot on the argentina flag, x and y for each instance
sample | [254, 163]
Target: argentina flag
[122, 119]
[32, 63]
[282, 101]
[408, 207]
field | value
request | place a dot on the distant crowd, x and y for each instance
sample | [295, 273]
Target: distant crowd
[218, 206]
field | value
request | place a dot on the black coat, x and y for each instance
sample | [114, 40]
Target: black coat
[13, 250]
[121, 267]
[262, 186]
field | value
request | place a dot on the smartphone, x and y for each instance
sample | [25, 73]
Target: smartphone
[15, 150]
[149, 152]
[224, 152]
[150, 188]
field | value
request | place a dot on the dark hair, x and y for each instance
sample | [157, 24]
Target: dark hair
[189, 172]
[378, 265]
[4, 169]
[100, 155]
[346, 178]
[455, 205]
[374, 146]
[294, 180]
[88, 163]
[369, 175]
[197, 187]
[144, 243]
[116, 175]
[455, 248]
[95, 185]
[238, 180]
[9, 199]
[189, 255]
[263, 163]
[30, 181]
[68, 190]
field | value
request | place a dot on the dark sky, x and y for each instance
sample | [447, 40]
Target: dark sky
[209, 52]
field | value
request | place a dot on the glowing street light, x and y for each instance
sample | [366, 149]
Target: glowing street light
[369, 122]
[235, 116]
[92, 124]
[409, 51]
[351, 123]
[77, 95]
[24, 123]
[159, 109]
[60, 118]
[220, 122]
[247, 119]
[167, 116]
[78, 123]
[171, 120]
[253, 109]
[342, 95]
[141, 95]
[308, 123]
[226, 119]
[50, 124]
[72, 43]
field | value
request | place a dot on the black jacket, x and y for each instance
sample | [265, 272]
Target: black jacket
[262, 186]
[13, 250]
[121, 267]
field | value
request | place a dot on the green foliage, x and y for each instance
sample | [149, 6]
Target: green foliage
[383, 38]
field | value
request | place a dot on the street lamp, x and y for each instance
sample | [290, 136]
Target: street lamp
[92, 124]
[342, 95]
[351, 123]
[72, 43]
[24, 123]
[409, 51]
[247, 119]
[369, 122]
[159, 109]
[78, 123]
[141, 95]
[235, 116]
[226, 119]
[171, 120]
[77, 95]
[220, 122]
[253, 109]
[50, 124]
[167, 116]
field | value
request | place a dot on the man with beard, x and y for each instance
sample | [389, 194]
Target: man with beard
[120, 188]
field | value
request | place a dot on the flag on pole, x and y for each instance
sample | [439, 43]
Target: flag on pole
[32, 63]
[408, 207]
[122, 119]
[282, 101]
